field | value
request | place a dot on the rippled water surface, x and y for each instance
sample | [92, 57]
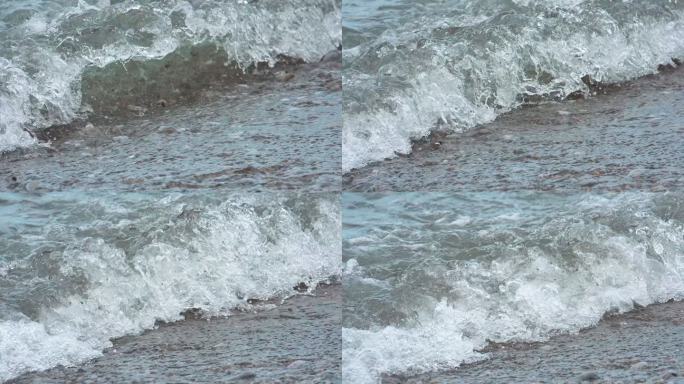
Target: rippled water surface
[640, 346]
[299, 342]
[253, 136]
[61, 59]
[141, 95]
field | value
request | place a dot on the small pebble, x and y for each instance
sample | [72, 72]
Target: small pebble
[284, 76]
[32, 186]
[589, 376]
[137, 109]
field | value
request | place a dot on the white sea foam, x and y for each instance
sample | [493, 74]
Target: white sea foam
[214, 259]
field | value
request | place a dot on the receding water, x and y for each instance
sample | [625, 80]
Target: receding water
[60, 59]
[140, 95]
[253, 136]
[299, 341]
[643, 345]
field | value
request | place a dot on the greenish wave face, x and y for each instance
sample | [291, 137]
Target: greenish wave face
[63, 59]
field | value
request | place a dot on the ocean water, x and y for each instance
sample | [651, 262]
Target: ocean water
[643, 346]
[80, 268]
[299, 342]
[414, 68]
[628, 137]
[431, 281]
[170, 94]
[142, 148]
[170, 177]
[255, 136]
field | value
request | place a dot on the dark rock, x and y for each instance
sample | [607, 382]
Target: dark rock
[332, 56]
[301, 287]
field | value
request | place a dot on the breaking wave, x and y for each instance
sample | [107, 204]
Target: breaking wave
[451, 67]
[432, 280]
[111, 265]
[60, 59]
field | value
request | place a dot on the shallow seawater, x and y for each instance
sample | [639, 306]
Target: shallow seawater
[63, 59]
[431, 280]
[413, 68]
[629, 137]
[80, 268]
[254, 136]
[167, 179]
[644, 345]
[298, 341]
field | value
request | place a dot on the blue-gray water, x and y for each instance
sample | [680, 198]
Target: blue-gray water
[134, 136]
[641, 346]
[252, 136]
[412, 68]
[170, 94]
[296, 341]
[628, 138]
[80, 268]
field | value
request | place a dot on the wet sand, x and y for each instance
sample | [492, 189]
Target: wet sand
[296, 342]
[643, 346]
[631, 137]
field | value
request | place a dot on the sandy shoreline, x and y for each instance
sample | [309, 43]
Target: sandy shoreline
[644, 345]
[298, 341]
